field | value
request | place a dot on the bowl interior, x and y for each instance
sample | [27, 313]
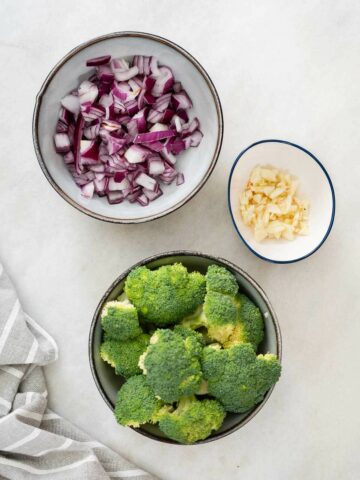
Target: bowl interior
[194, 163]
[109, 383]
[314, 185]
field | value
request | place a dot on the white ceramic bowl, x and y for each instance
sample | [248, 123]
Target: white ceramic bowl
[314, 185]
[196, 163]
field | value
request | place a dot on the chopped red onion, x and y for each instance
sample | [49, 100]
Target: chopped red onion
[154, 66]
[92, 131]
[88, 190]
[180, 179]
[120, 132]
[163, 82]
[152, 195]
[97, 168]
[153, 136]
[115, 197]
[61, 127]
[146, 181]
[156, 166]
[136, 154]
[143, 200]
[181, 100]
[88, 93]
[71, 103]
[194, 139]
[95, 62]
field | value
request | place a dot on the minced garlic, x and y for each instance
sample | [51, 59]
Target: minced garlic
[269, 205]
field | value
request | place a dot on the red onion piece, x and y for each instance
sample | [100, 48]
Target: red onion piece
[148, 83]
[62, 142]
[194, 139]
[71, 103]
[126, 75]
[156, 166]
[92, 131]
[162, 103]
[97, 168]
[78, 133]
[180, 179]
[152, 195]
[94, 62]
[155, 116]
[105, 74]
[177, 146]
[163, 82]
[61, 127]
[88, 93]
[146, 181]
[194, 125]
[115, 197]
[69, 158]
[153, 136]
[92, 112]
[155, 146]
[181, 100]
[136, 154]
[143, 200]
[88, 190]
[154, 66]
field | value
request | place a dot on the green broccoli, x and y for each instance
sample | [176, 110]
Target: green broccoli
[218, 316]
[249, 327]
[237, 377]
[219, 312]
[124, 356]
[229, 317]
[136, 404]
[220, 280]
[119, 320]
[188, 332]
[166, 295]
[192, 420]
[171, 364]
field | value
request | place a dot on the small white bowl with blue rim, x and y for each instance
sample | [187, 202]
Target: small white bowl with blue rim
[314, 184]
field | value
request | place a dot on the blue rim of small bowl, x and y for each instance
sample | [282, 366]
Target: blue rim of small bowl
[332, 195]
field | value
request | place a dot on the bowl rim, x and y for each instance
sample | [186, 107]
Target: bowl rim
[332, 219]
[73, 52]
[181, 253]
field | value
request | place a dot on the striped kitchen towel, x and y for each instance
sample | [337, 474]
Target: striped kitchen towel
[34, 441]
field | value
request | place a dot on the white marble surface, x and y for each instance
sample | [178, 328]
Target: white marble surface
[283, 70]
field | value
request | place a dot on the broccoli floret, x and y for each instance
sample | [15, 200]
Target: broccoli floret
[237, 377]
[219, 312]
[192, 420]
[218, 316]
[188, 332]
[249, 326]
[171, 364]
[136, 404]
[124, 356]
[166, 295]
[220, 280]
[120, 320]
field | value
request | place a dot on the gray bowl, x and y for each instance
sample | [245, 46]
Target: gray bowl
[197, 164]
[108, 383]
